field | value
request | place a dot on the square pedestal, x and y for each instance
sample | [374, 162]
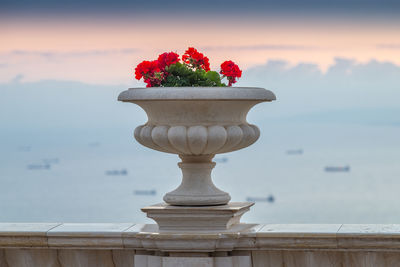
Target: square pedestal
[197, 218]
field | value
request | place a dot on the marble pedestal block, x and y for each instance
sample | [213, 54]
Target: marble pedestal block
[197, 218]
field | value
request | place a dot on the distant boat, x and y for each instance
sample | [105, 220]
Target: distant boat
[221, 160]
[294, 151]
[145, 192]
[337, 168]
[38, 167]
[122, 172]
[269, 199]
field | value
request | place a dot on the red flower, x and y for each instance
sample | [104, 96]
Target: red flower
[146, 69]
[196, 59]
[230, 70]
[167, 59]
[150, 72]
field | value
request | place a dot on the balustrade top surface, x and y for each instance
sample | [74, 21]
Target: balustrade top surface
[242, 236]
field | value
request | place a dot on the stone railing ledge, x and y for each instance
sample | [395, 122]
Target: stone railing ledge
[146, 236]
[84, 235]
[25, 234]
[369, 236]
[292, 236]
[243, 245]
[241, 236]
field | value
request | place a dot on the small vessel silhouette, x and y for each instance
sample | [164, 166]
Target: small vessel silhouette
[221, 160]
[295, 152]
[38, 167]
[337, 168]
[269, 199]
[122, 172]
[145, 192]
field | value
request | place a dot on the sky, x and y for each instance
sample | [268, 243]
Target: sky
[100, 42]
[333, 65]
[323, 59]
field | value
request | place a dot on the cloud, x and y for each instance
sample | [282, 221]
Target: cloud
[77, 53]
[347, 84]
[388, 46]
[3, 65]
[261, 47]
[18, 78]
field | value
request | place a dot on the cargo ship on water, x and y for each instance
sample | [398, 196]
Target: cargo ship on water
[337, 168]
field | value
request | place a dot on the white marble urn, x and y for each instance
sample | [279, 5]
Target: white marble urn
[196, 123]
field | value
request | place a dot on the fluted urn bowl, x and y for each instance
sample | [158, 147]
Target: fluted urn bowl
[196, 123]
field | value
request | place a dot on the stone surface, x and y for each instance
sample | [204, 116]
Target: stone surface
[3, 262]
[123, 257]
[299, 230]
[374, 236]
[297, 259]
[203, 218]
[371, 259]
[370, 230]
[196, 123]
[243, 245]
[25, 234]
[31, 257]
[85, 258]
[298, 235]
[147, 236]
[196, 187]
[189, 261]
[107, 235]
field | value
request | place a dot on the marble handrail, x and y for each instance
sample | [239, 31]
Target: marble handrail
[128, 244]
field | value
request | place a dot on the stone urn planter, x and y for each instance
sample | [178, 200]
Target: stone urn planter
[196, 123]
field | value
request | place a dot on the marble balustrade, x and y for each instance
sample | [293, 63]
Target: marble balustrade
[245, 245]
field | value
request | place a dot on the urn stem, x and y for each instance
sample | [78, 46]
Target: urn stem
[196, 188]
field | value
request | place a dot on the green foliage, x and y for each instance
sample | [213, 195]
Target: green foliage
[180, 75]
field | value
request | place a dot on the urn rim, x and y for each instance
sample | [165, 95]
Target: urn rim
[197, 93]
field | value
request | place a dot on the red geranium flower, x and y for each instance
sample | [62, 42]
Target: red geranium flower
[231, 71]
[167, 59]
[150, 72]
[196, 59]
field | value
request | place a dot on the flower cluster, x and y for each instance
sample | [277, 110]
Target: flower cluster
[150, 72]
[194, 70]
[195, 59]
[167, 59]
[230, 70]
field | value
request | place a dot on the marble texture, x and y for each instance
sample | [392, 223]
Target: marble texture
[298, 236]
[370, 230]
[189, 261]
[296, 259]
[196, 123]
[85, 258]
[243, 245]
[3, 262]
[31, 257]
[123, 257]
[371, 259]
[197, 139]
[373, 236]
[147, 236]
[25, 234]
[299, 230]
[107, 235]
[204, 218]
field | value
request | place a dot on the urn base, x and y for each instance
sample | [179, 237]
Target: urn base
[177, 199]
[194, 218]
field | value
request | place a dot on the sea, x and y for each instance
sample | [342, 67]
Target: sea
[94, 175]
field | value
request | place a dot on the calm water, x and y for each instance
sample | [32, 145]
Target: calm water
[76, 188]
